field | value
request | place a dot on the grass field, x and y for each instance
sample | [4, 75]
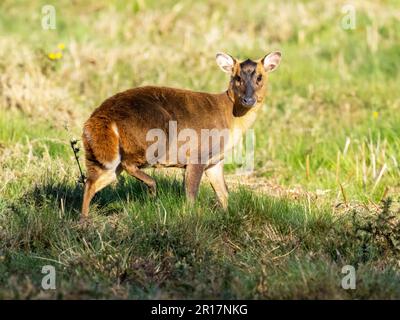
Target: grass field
[327, 152]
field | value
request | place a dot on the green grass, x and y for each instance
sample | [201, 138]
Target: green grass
[138, 248]
[333, 100]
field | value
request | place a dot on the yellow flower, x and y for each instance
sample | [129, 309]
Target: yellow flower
[52, 56]
[61, 46]
[375, 114]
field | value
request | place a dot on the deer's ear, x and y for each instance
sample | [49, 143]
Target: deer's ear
[225, 62]
[271, 61]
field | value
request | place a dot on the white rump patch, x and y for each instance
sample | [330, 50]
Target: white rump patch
[112, 165]
[115, 129]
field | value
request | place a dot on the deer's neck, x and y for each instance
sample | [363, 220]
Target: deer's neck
[242, 117]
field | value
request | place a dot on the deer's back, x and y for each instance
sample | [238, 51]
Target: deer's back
[153, 106]
[129, 116]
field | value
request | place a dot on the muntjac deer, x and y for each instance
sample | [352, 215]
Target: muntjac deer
[116, 136]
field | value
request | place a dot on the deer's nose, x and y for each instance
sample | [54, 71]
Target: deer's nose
[248, 101]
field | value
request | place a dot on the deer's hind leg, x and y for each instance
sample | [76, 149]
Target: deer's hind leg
[98, 178]
[134, 171]
[101, 142]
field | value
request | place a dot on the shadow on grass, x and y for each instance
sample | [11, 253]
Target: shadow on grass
[110, 199]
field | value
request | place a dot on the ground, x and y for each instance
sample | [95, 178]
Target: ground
[323, 193]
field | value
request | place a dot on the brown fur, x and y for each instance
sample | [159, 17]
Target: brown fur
[114, 136]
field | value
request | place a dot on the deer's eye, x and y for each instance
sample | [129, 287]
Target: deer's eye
[259, 78]
[238, 79]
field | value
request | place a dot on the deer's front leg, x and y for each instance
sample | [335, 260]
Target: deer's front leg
[216, 176]
[193, 175]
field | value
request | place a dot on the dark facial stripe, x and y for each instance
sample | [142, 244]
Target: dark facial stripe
[247, 72]
[248, 64]
[249, 89]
